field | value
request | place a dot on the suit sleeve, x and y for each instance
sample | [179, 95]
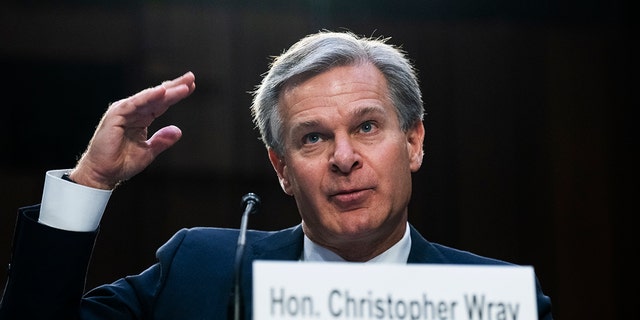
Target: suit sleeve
[47, 270]
[133, 296]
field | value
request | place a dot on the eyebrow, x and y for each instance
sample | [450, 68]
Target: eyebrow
[369, 109]
[357, 113]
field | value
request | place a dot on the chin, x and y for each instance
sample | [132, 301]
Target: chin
[359, 228]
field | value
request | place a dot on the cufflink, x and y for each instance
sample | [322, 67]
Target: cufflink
[66, 176]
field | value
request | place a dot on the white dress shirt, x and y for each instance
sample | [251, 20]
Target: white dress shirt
[71, 206]
[398, 253]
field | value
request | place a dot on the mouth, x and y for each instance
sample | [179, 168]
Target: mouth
[351, 198]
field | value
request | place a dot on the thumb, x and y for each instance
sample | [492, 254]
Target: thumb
[163, 139]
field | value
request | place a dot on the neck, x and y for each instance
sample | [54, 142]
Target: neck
[362, 249]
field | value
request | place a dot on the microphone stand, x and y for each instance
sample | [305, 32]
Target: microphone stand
[250, 202]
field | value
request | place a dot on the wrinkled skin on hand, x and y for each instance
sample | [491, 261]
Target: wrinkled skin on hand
[120, 147]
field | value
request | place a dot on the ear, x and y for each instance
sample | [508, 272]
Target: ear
[415, 140]
[280, 166]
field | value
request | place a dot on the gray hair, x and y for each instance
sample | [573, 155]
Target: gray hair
[319, 52]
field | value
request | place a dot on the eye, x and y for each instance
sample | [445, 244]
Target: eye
[367, 126]
[311, 138]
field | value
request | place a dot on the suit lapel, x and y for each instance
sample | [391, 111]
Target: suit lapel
[422, 251]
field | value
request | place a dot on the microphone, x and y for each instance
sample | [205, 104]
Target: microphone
[249, 203]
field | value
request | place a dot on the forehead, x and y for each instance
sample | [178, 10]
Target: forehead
[355, 72]
[340, 84]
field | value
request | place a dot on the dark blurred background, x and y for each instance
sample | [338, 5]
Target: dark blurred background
[528, 146]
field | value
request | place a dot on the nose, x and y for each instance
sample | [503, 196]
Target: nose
[345, 157]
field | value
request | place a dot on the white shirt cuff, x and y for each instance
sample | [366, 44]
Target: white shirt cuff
[71, 206]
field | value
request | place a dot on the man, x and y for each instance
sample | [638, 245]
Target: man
[341, 118]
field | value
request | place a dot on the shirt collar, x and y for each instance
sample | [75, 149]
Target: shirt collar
[398, 253]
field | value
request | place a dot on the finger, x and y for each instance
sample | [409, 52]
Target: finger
[148, 106]
[178, 88]
[175, 89]
[187, 79]
[163, 139]
[160, 100]
[175, 94]
[145, 106]
[137, 102]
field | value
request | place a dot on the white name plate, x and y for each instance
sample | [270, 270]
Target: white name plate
[308, 290]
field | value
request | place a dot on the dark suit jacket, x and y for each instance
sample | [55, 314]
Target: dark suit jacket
[193, 278]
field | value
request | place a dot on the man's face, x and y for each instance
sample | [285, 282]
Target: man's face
[347, 162]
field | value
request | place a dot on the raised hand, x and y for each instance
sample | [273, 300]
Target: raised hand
[120, 147]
